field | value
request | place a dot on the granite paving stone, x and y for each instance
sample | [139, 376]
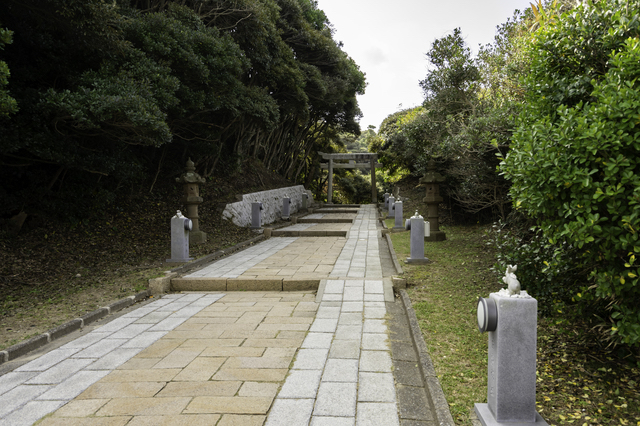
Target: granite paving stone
[336, 399]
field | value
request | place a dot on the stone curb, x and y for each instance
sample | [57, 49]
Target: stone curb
[37, 342]
[394, 257]
[432, 384]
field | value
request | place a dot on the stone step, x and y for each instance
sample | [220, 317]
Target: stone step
[267, 283]
[336, 210]
[308, 233]
[325, 220]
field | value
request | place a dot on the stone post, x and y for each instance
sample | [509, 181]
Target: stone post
[180, 227]
[386, 200]
[431, 180]
[286, 208]
[305, 201]
[374, 188]
[191, 198]
[391, 202]
[330, 183]
[256, 215]
[416, 225]
[398, 216]
[511, 388]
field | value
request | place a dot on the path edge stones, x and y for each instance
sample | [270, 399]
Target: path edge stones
[30, 345]
[432, 384]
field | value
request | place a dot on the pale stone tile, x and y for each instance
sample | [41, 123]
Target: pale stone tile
[175, 420]
[231, 405]
[144, 406]
[251, 374]
[208, 388]
[80, 408]
[108, 390]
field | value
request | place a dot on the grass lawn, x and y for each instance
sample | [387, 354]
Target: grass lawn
[578, 382]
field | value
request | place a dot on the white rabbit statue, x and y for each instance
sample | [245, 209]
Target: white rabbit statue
[510, 279]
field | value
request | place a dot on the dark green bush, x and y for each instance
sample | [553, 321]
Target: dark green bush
[574, 162]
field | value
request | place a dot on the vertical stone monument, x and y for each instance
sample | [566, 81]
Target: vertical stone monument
[397, 207]
[386, 200]
[256, 215]
[286, 208]
[392, 201]
[305, 201]
[191, 182]
[510, 317]
[431, 180]
[180, 228]
[416, 225]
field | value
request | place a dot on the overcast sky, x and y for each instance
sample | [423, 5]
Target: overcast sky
[389, 39]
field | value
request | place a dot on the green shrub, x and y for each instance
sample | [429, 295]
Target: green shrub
[574, 162]
[545, 270]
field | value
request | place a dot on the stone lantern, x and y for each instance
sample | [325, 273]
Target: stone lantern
[431, 180]
[191, 198]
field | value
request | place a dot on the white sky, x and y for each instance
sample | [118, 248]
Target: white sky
[388, 39]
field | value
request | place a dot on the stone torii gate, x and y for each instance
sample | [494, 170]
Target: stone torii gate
[360, 160]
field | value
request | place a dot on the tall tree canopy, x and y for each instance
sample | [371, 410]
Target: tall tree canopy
[119, 90]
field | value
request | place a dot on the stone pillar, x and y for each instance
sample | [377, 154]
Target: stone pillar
[374, 189]
[191, 182]
[305, 201]
[416, 225]
[330, 183]
[256, 215]
[286, 208]
[511, 388]
[180, 227]
[391, 201]
[431, 180]
[386, 200]
[398, 216]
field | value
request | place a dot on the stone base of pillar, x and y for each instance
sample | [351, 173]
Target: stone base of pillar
[422, 261]
[197, 237]
[436, 236]
[487, 419]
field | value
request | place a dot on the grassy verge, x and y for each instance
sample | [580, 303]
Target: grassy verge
[578, 382]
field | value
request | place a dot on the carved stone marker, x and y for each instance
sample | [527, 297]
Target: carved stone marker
[511, 320]
[391, 202]
[416, 225]
[386, 200]
[286, 208]
[431, 180]
[397, 207]
[180, 228]
[191, 182]
[256, 215]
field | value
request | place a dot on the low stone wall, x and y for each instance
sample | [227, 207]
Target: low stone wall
[240, 212]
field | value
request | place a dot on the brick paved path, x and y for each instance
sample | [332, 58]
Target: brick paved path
[236, 358]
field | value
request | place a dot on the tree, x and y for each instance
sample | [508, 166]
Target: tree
[7, 103]
[573, 161]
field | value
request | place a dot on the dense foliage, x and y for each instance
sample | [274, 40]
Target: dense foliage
[466, 119]
[7, 103]
[110, 94]
[573, 162]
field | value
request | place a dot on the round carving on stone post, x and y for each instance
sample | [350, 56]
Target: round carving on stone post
[191, 198]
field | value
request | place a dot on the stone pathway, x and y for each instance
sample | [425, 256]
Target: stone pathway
[323, 357]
